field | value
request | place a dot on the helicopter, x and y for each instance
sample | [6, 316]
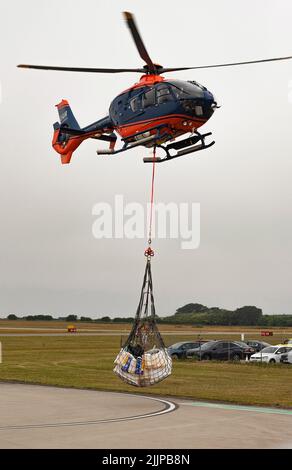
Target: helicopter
[151, 113]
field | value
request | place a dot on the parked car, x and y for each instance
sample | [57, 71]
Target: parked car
[272, 354]
[257, 345]
[179, 350]
[288, 341]
[221, 350]
[286, 358]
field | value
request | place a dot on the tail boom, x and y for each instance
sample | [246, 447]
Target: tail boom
[68, 135]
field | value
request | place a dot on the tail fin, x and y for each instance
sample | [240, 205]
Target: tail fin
[66, 115]
[64, 143]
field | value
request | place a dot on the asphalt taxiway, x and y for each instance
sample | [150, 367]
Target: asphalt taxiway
[33, 416]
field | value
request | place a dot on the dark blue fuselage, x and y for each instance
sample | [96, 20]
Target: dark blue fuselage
[172, 97]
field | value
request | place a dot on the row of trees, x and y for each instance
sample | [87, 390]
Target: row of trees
[193, 313]
[200, 315]
[71, 318]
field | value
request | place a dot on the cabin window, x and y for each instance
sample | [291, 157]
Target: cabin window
[148, 98]
[135, 104]
[163, 94]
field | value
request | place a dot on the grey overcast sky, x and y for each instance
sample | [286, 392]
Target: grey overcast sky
[49, 260]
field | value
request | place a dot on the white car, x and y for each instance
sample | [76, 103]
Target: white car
[271, 354]
[287, 357]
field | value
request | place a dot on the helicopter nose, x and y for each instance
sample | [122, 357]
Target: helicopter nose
[210, 100]
[209, 96]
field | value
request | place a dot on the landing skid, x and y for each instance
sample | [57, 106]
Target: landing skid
[184, 147]
[190, 145]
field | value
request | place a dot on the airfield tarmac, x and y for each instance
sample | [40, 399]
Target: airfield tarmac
[33, 416]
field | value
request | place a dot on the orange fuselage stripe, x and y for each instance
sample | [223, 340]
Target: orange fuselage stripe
[176, 121]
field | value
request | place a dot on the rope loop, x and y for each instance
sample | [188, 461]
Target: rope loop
[149, 252]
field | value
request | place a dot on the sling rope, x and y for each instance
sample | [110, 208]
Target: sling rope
[149, 252]
[143, 359]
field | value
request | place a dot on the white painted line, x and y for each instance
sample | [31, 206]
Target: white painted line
[254, 409]
[169, 407]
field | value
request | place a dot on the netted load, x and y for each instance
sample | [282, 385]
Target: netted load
[143, 359]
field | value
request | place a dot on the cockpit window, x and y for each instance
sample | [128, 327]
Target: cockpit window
[183, 90]
[199, 110]
[202, 87]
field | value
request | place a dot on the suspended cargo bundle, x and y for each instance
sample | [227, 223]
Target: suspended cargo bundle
[143, 359]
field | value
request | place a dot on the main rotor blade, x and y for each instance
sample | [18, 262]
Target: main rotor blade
[169, 69]
[129, 17]
[154, 69]
[78, 69]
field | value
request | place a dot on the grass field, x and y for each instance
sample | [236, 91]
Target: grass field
[87, 362]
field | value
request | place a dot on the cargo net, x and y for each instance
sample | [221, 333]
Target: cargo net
[143, 359]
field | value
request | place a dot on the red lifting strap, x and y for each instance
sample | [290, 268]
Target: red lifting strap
[149, 252]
